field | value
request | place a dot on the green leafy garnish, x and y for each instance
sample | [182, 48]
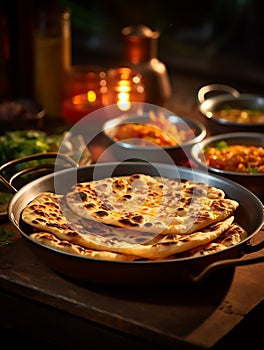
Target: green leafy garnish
[221, 145]
[253, 170]
[226, 108]
[6, 237]
[20, 143]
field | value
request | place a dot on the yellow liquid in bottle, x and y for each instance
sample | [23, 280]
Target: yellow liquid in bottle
[48, 74]
[52, 55]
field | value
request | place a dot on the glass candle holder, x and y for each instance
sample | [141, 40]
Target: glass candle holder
[124, 86]
[84, 90]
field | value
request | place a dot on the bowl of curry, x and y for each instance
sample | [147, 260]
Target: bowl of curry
[236, 156]
[225, 109]
[153, 137]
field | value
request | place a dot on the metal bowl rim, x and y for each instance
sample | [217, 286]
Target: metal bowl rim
[199, 127]
[206, 107]
[196, 149]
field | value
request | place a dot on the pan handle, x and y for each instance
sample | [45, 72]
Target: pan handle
[7, 179]
[202, 93]
[228, 263]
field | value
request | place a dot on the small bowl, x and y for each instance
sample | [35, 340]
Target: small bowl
[229, 98]
[253, 182]
[18, 114]
[130, 149]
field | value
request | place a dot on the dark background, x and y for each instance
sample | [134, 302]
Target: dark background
[219, 39]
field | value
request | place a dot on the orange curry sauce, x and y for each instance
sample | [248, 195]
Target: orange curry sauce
[145, 133]
[235, 158]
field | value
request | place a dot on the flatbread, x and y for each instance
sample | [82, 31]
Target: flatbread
[46, 213]
[150, 204]
[234, 235]
[50, 240]
[49, 212]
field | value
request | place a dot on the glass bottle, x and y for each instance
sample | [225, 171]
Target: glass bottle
[140, 50]
[52, 57]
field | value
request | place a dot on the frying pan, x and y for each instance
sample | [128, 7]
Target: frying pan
[139, 273]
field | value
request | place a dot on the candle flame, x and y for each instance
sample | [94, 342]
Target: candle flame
[82, 99]
[124, 87]
[91, 96]
[123, 96]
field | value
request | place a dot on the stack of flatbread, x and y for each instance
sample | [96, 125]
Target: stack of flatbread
[137, 217]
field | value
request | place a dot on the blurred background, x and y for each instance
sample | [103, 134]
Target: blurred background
[211, 40]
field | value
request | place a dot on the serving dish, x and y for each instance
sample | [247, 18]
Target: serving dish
[225, 109]
[131, 148]
[253, 181]
[138, 273]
